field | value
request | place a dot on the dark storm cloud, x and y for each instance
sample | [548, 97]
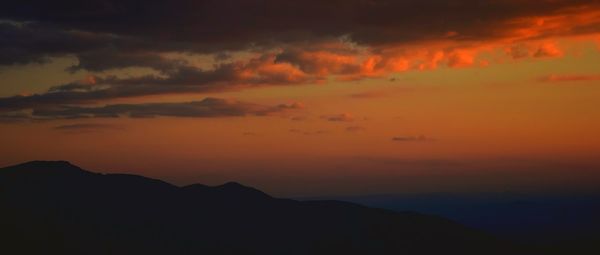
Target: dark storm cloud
[35, 42]
[74, 27]
[206, 108]
[31, 42]
[234, 22]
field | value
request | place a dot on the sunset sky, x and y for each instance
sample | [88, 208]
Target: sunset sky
[302, 98]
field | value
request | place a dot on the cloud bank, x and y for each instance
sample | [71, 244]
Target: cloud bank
[284, 43]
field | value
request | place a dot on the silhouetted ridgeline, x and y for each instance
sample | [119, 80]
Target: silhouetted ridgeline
[58, 208]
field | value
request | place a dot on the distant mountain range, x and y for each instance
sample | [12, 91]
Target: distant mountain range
[527, 217]
[54, 207]
[560, 222]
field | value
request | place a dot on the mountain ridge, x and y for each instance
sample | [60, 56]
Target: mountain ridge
[81, 212]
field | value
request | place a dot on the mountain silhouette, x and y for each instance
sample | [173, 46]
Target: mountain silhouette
[54, 207]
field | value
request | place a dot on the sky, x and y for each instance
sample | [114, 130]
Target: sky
[307, 98]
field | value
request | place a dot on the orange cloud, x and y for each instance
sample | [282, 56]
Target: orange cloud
[320, 63]
[267, 69]
[461, 59]
[548, 50]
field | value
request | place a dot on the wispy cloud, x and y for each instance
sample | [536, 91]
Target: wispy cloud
[86, 127]
[12, 117]
[368, 94]
[342, 117]
[420, 138]
[206, 108]
[308, 132]
[355, 128]
[570, 78]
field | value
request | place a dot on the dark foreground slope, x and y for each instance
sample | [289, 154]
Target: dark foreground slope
[58, 208]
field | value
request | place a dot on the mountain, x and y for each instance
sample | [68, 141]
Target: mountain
[54, 207]
[562, 222]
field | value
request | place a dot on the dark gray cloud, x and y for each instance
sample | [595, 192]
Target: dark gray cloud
[206, 108]
[420, 138]
[342, 117]
[12, 117]
[35, 42]
[369, 94]
[106, 59]
[32, 42]
[294, 105]
[355, 128]
[235, 23]
[260, 71]
[307, 132]
[204, 26]
[86, 127]
[298, 118]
